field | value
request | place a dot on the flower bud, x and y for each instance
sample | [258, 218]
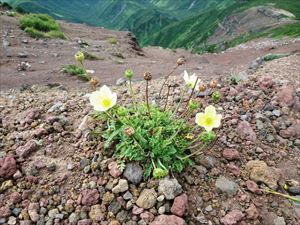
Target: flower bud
[129, 131]
[122, 111]
[180, 61]
[193, 105]
[202, 87]
[213, 84]
[94, 81]
[79, 56]
[159, 173]
[216, 96]
[147, 76]
[128, 73]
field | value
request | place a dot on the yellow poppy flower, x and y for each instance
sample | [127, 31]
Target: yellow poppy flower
[210, 119]
[103, 99]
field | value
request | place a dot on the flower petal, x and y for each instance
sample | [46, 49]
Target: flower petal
[210, 110]
[217, 121]
[114, 99]
[186, 76]
[200, 119]
[105, 91]
[95, 98]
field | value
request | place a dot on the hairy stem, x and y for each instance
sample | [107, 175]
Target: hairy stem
[180, 101]
[147, 98]
[132, 94]
[167, 98]
[191, 95]
[282, 195]
[165, 80]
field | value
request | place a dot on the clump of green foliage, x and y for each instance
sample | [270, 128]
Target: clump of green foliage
[76, 71]
[157, 136]
[159, 142]
[41, 26]
[270, 57]
[113, 40]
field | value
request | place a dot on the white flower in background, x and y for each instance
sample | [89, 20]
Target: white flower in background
[103, 100]
[191, 80]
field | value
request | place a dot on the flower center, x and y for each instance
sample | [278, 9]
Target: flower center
[106, 102]
[209, 121]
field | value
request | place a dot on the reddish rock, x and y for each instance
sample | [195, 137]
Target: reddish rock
[285, 96]
[234, 169]
[232, 218]
[180, 205]
[25, 222]
[114, 170]
[84, 222]
[232, 92]
[5, 212]
[292, 131]
[40, 132]
[231, 154]
[253, 187]
[8, 167]
[245, 131]
[15, 198]
[147, 216]
[136, 210]
[31, 115]
[25, 150]
[265, 83]
[58, 127]
[252, 212]
[168, 220]
[90, 197]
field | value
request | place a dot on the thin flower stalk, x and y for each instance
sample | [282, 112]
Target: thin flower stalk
[166, 79]
[191, 95]
[167, 98]
[132, 93]
[147, 98]
[269, 191]
[180, 101]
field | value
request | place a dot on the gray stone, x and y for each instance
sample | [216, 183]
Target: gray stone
[170, 188]
[73, 218]
[227, 186]
[279, 221]
[121, 81]
[134, 173]
[114, 207]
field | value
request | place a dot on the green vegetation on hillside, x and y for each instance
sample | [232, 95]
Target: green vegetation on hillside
[77, 71]
[41, 26]
[167, 23]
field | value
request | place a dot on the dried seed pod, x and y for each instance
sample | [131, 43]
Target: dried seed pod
[202, 87]
[147, 76]
[129, 131]
[180, 61]
[213, 84]
[94, 82]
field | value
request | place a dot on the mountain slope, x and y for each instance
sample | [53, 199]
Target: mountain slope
[196, 32]
[198, 25]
